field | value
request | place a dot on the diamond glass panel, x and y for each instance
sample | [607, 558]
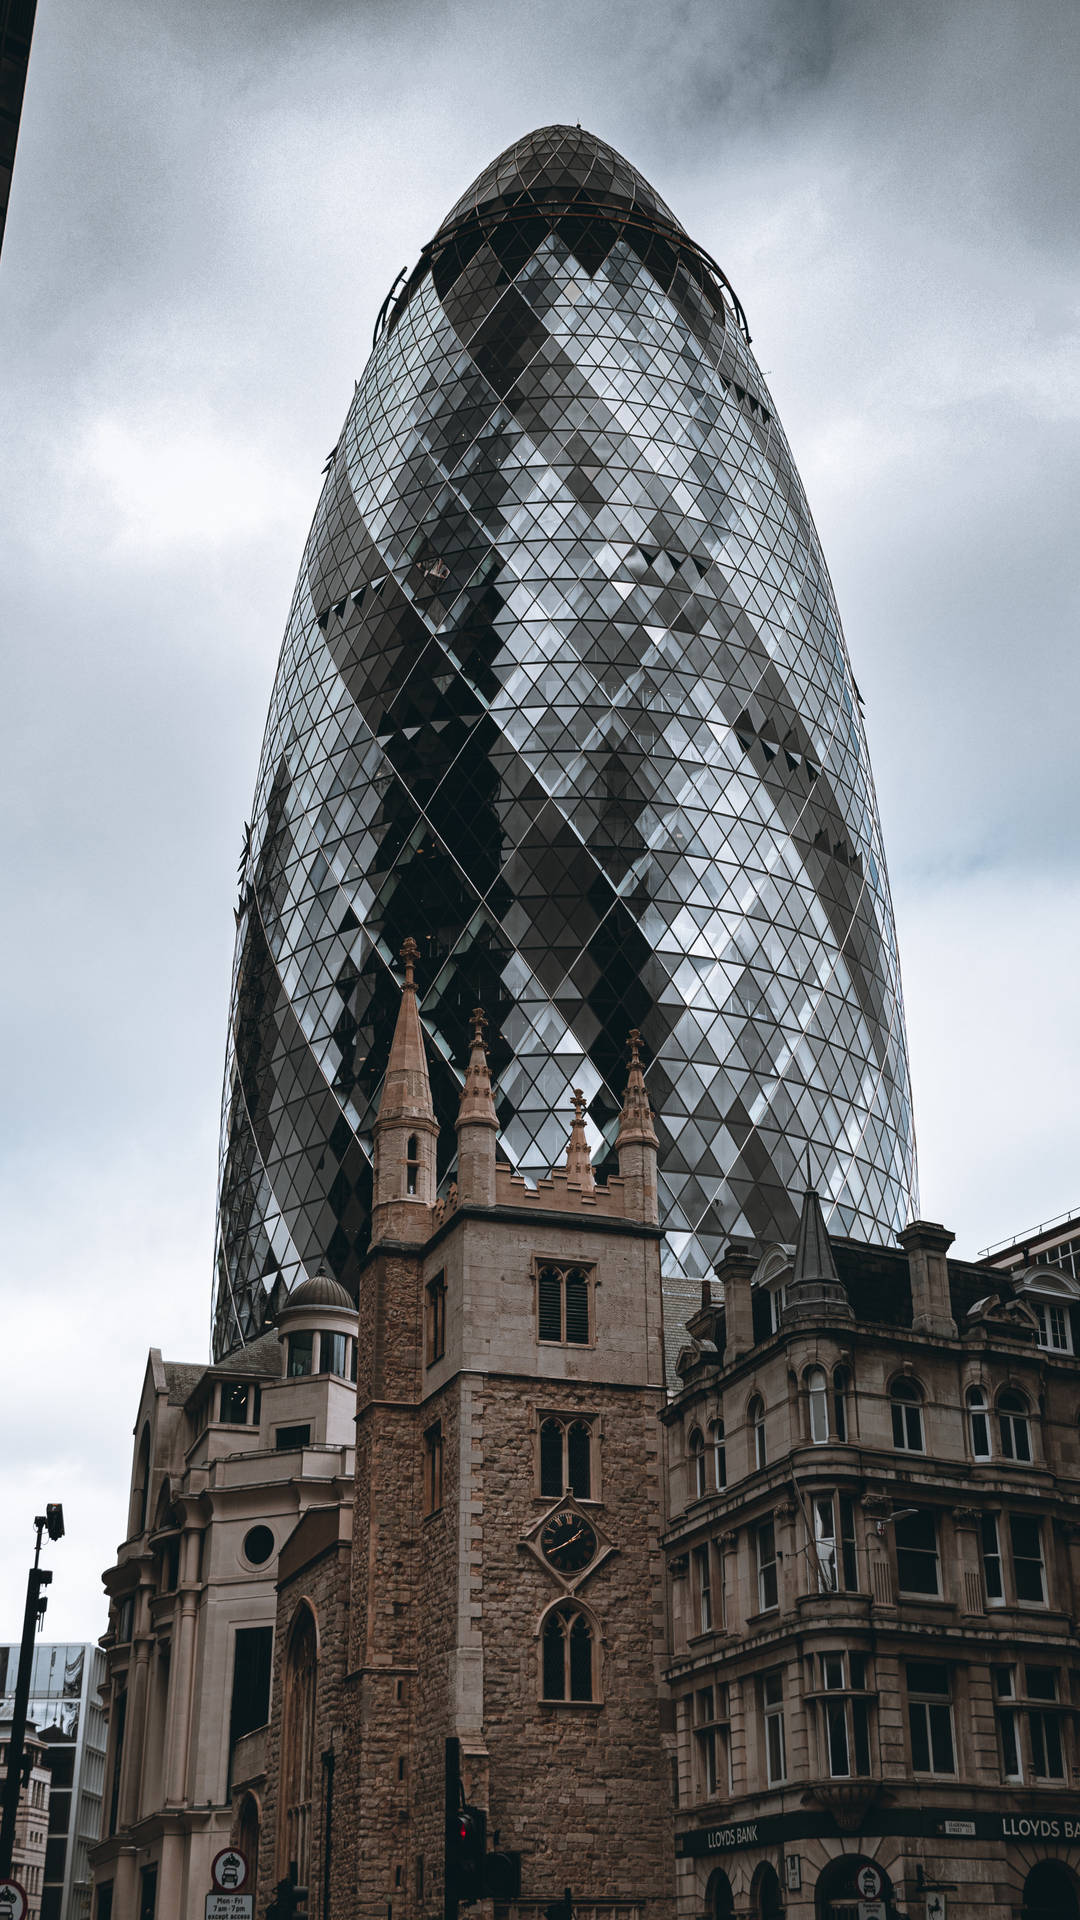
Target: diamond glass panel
[564, 695]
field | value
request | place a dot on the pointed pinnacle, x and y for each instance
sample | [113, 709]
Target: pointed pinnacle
[477, 1100]
[635, 1120]
[406, 1094]
[579, 1171]
[410, 954]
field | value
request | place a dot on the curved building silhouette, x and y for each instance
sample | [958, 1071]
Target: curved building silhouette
[564, 696]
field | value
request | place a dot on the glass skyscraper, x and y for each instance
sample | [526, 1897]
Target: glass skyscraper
[564, 695]
[65, 1711]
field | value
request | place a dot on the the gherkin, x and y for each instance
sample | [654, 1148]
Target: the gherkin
[564, 695]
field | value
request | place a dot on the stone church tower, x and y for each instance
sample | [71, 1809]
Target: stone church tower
[504, 1584]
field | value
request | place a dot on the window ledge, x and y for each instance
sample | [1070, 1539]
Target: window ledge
[577, 1706]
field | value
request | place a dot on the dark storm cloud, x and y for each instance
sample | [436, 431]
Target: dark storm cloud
[210, 202]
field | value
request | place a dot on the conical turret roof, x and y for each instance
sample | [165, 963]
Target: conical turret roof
[406, 1095]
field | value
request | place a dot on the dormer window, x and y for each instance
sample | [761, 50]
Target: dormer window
[1053, 1296]
[1055, 1332]
[412, 1163]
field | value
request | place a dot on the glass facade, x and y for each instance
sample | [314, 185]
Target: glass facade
[66, 1713]
[564, 695]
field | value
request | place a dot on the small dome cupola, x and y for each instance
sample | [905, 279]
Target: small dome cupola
[317, 1329]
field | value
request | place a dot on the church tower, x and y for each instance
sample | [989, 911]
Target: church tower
[505, 1573]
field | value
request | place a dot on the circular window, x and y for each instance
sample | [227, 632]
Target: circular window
[258, 1545]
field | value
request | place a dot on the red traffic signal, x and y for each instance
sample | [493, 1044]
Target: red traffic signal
[466, 1845]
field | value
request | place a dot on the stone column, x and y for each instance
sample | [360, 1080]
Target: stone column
[966, 1521]
[926, 1245]
[138, 1707]
[181, 1673]
[735, 1272]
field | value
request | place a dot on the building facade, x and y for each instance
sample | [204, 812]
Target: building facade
[226, 1461]
[564, 683]
[65, 1708]
[503, 1584]
[874, 1565]
[32, 1822]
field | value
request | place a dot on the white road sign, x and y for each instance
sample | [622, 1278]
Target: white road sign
[229, 1870]
[13, 1900]
[229, 1906]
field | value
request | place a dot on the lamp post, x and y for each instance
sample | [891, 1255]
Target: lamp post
[52, 1523]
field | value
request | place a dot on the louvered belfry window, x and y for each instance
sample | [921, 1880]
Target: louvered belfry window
[562, 1305]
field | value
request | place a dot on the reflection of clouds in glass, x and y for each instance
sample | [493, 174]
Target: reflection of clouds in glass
[564, 695]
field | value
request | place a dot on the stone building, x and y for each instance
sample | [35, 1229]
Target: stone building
[874, 1581]
[504, 1583]
[32, 1822]
[227, 1460]
[289, 1651]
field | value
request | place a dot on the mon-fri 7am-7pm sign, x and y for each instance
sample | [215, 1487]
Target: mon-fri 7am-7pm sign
[229, 1872]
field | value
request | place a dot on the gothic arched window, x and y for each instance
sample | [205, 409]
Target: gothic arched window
[299, 1681]
[568, 1647]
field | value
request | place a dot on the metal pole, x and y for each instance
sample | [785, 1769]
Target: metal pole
[17, 1738]
[453, 1804]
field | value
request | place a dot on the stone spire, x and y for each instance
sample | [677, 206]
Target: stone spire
[406, 1129]
[635, 1120]
[579, 1171]
[636, 1142]
[476, 1124]
[815, 1289]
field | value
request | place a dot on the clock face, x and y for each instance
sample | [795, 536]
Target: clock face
[568, 1542]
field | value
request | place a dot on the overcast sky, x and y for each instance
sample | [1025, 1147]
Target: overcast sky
[211, 199]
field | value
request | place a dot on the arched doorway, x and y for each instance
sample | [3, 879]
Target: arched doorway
[766, 1899]
[1050, 1893]
[250, 1822]
[300, 1679]
[719, 1899]
[847, 1882]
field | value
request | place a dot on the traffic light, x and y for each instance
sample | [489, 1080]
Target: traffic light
[466, 1846]
[502, 1875]
[289, 1902]
[561, 1909]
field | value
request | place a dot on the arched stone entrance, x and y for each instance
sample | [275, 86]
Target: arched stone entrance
[719, 1899]
[1050, 1893]
[766, 1899]
[844, 1883]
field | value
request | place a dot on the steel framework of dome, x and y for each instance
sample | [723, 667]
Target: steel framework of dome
[564, 696]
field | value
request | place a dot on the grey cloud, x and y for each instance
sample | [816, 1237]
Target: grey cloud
[210, 203]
